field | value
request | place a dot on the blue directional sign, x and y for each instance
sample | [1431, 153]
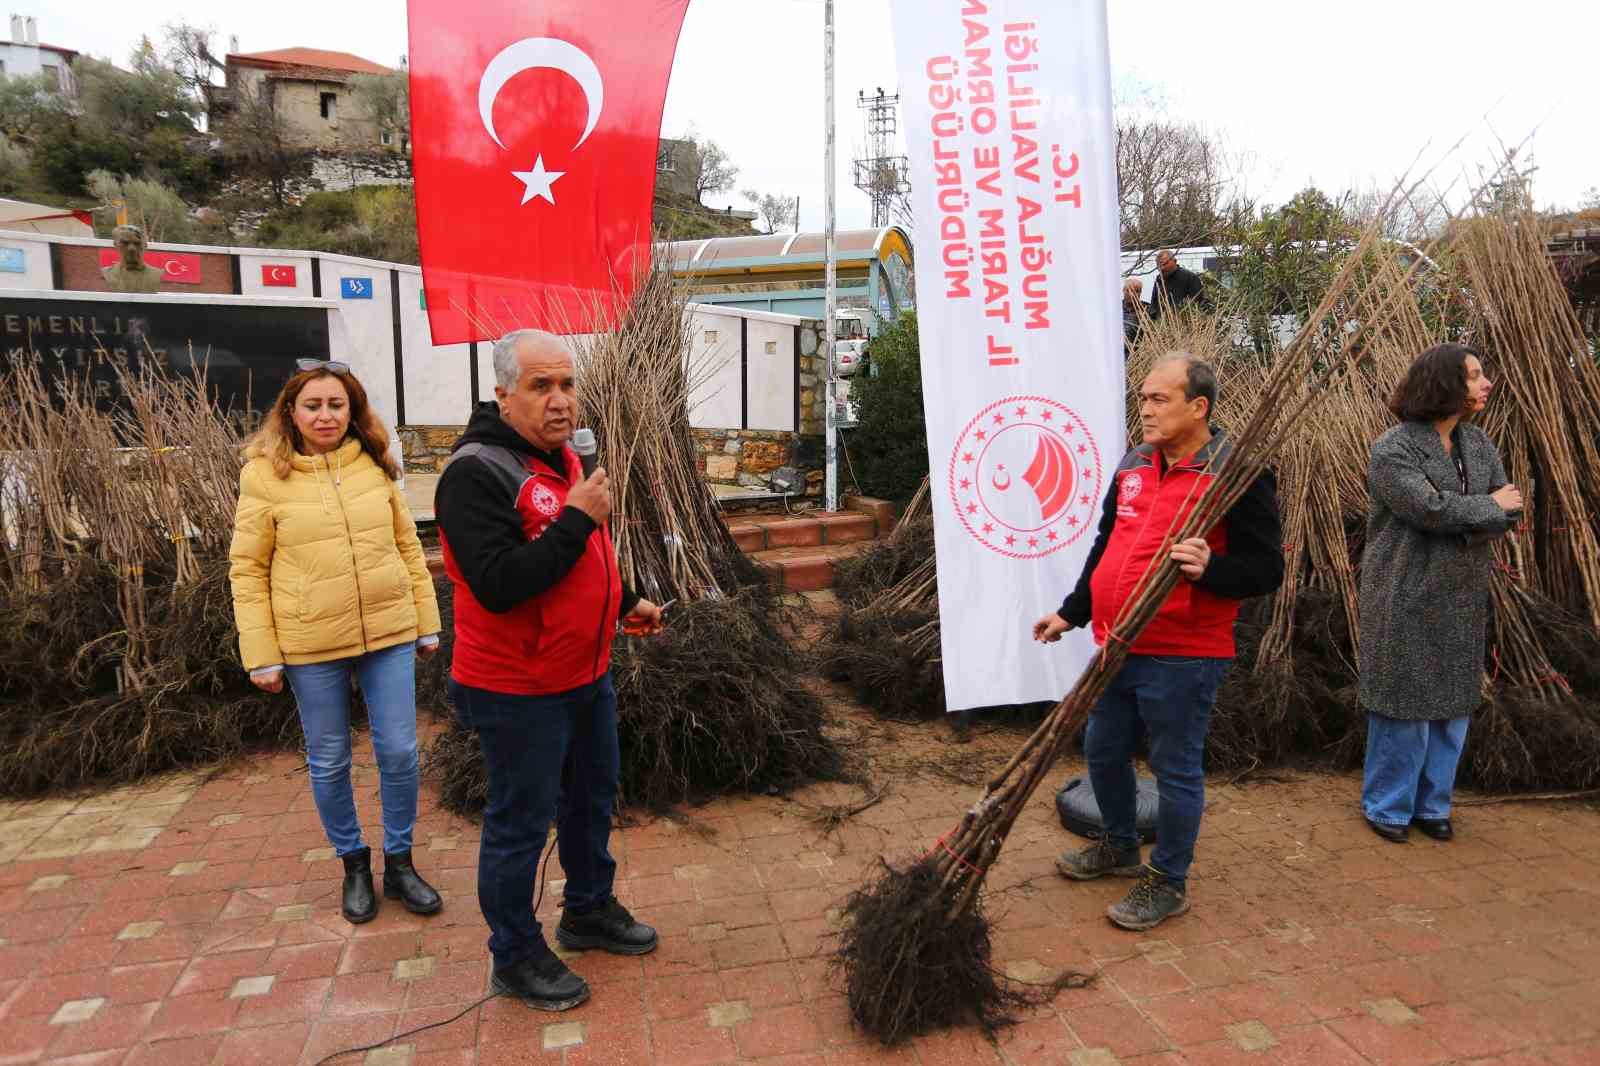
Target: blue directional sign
[355, 288]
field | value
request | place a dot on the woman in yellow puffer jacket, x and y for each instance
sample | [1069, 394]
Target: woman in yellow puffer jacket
[328, 581]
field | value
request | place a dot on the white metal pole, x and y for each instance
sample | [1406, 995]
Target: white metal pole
[832, 298]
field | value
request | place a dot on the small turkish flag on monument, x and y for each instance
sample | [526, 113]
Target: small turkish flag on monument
[278, 275]
[536, 128]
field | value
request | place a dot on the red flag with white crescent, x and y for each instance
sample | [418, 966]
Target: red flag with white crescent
[535, 132]
[177, 268]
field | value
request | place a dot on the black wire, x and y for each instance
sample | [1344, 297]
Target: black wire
[537, 899]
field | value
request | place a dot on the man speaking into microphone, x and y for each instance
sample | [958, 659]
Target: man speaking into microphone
[537, 600]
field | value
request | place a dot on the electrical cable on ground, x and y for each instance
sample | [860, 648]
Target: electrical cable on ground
[544, 868]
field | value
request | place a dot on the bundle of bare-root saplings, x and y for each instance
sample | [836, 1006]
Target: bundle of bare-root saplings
[118, 653]
[715, 702]
[1291, 697]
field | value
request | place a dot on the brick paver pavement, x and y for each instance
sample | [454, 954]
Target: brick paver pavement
[195, 921]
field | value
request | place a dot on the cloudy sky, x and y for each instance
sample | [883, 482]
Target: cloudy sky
[1341, 96]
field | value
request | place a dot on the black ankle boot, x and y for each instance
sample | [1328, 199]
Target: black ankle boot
[402, 882]
[359, 903]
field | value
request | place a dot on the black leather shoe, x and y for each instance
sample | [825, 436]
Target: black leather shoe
[1437, 828]
[358, 904]
[402, 882]
[1394, 834]
[611, 928]
[542, 981]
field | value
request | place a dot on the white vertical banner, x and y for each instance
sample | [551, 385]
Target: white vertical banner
[1009, 131]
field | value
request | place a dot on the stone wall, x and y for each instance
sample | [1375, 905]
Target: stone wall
[813, 377]
[427, 447]
[747, 457]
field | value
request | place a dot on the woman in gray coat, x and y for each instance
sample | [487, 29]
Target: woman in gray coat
[1438, 498]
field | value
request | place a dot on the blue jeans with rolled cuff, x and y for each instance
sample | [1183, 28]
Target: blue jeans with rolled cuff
[388, 680]
[1171, 699]
[549, 758]
[1410, 768]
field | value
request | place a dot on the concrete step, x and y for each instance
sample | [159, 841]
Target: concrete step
[866, 520]
[807, 569]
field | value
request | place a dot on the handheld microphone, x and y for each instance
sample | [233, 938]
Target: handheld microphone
[588, 448]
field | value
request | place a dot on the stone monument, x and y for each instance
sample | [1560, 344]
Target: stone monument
[131, 273]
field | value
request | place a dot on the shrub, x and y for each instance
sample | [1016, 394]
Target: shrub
[889, 447]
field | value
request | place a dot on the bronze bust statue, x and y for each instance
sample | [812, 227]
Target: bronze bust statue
[132, 273]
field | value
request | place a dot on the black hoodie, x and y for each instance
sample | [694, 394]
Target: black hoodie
[501, 565]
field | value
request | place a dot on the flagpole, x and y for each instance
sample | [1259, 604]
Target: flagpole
[831, 287]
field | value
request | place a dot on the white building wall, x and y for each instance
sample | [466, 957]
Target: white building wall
[437, 380]
[770, 387]
[35, 263]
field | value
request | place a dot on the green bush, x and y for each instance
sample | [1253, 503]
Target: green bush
[375, 221]
[153, 207]
[13, 166]
[889, 447]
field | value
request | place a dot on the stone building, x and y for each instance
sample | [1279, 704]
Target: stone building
[310, 89]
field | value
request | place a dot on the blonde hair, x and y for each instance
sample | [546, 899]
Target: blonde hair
[279, 439]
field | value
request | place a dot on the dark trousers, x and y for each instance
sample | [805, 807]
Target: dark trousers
[1172, 699]
[548, 757]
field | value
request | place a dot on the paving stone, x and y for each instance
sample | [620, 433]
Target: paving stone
[1251, 1036]
[140, 930]
[393, 1055]
[246, 987]
[413, 969]
[812, 860]
[49, 881]
[1028, 971]
[444, 842]
[293, 913]
[705, 934]
[692, 873]
[187, 869]
[729, 1014]
[225, 819]
[77, 1010]
[316, 855]
[1391, 1011]
[1093, 1056]
[1159, 950]
[563, 1034]
[127, 840]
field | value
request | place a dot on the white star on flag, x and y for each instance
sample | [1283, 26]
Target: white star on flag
[538, 181]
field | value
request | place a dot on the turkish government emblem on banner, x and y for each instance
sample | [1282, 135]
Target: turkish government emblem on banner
[535, 129]
[1008, 127]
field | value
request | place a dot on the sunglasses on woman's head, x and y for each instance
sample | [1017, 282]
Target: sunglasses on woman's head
[331, 365]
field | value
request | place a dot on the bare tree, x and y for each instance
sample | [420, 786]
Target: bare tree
[256, 139]
[386, 100]
[714, 171]
[187, 50]
[777, 210]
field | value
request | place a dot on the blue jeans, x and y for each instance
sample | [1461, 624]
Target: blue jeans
[1172, 698]
[548, 757]
[1411, 768]
[322, 692]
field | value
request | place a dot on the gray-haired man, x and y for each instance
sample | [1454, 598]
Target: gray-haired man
[537, 598]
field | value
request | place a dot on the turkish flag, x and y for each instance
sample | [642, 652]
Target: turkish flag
[279, 275]
[535, 128]
[179, 268]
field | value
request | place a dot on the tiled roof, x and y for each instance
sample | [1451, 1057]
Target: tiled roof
[312, 57]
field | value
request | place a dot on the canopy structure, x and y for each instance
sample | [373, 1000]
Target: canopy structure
[783, 272]
[42, 218]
